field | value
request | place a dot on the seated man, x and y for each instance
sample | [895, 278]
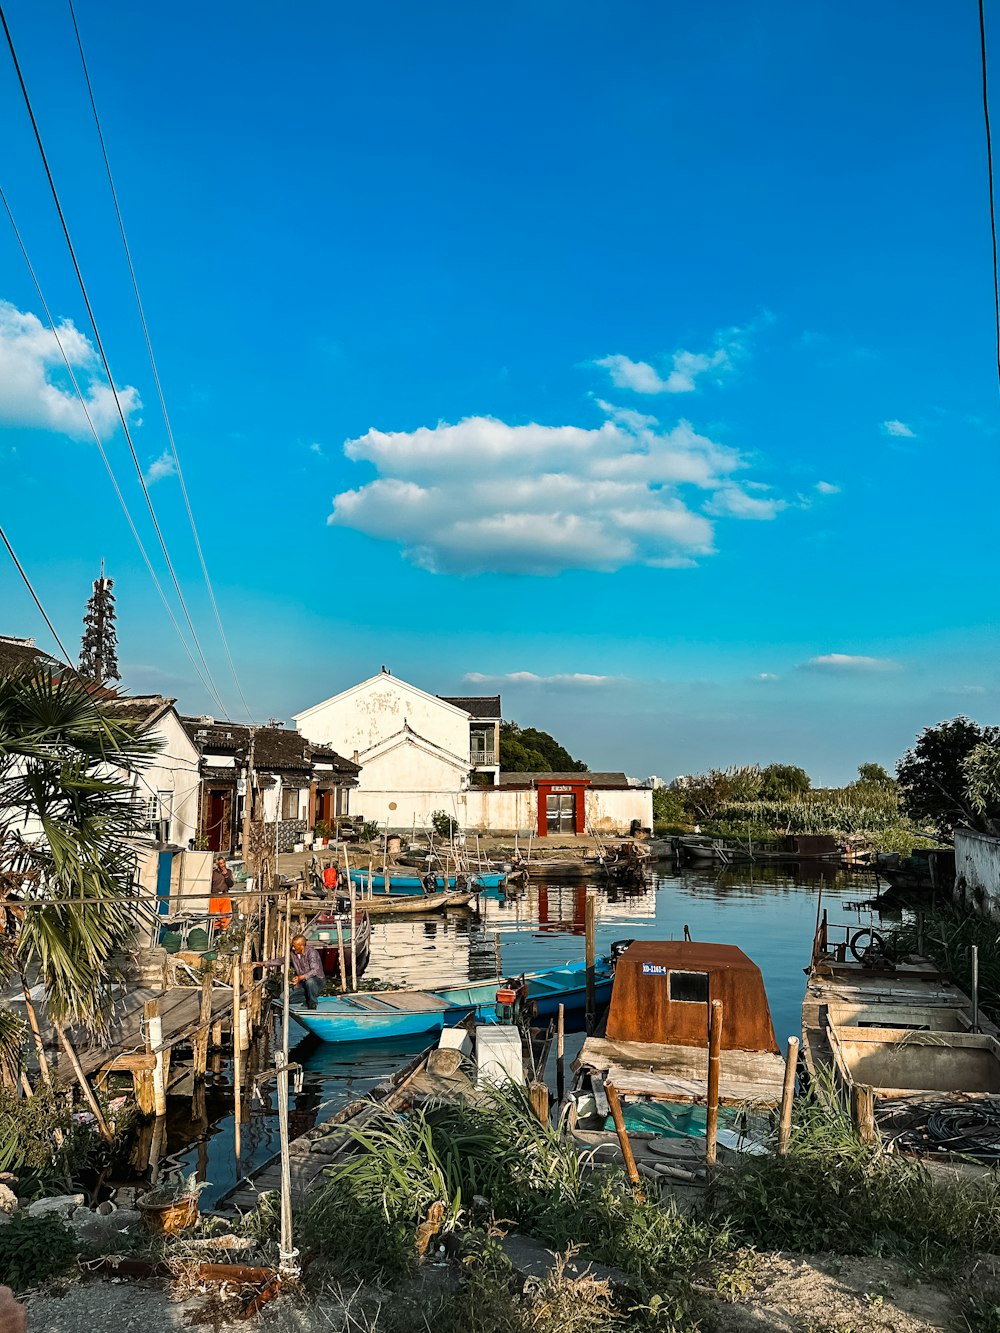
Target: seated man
[306, 977]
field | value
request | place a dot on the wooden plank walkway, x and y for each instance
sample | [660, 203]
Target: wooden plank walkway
[180, 1011]
[680, 1073]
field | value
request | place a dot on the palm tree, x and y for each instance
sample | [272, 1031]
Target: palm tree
[67, 810]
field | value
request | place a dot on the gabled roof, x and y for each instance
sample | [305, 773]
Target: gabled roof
[482, 707]
[382, 677]
[143, 709]
[407, 736]
[276, 749]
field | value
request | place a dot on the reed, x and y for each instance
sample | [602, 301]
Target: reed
[948, 937]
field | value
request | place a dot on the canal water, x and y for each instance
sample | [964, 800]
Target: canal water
[769, 912]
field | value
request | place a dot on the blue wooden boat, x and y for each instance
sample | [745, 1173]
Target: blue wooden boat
[378, 1015]
[400, 882]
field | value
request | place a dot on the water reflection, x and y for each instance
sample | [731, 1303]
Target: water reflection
[769, 911]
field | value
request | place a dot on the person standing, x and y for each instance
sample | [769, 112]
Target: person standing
[220, 905]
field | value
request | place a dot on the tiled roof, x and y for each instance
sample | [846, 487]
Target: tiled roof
[275, 748]
[483, 707]
[144, 709]
[22, 655]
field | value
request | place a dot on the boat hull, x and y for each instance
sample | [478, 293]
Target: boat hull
[414, 884]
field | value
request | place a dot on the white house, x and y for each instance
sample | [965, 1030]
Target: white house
[416, 750]
[168, 782]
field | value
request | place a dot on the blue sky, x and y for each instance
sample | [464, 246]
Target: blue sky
[634, 361]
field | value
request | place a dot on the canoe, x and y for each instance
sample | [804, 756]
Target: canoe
[415, 904]
[410, 884]
[377, 1015]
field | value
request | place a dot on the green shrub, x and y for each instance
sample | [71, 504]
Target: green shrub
[33, 1249]
[443, 824]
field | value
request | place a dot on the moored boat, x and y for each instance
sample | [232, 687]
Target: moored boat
[376, 1015]
[414, 904]
[405, 882]
[653, 1047]
[321, 932]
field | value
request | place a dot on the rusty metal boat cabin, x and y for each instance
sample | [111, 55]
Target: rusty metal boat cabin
[654, 1044]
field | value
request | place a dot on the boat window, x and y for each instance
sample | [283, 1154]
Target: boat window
[690, 987]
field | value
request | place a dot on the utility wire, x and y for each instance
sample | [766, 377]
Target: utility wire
[103, 355]
[100, 446]
[34, 595]
[989, 164]
[152, 362]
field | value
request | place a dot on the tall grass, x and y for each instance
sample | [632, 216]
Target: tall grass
[947, 935]
[834, 1193]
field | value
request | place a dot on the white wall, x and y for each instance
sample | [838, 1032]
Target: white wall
[371, 712]
[977, 872]
[174, 771]
[506, 809]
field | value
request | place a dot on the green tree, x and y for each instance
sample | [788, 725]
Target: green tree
[779, 781]
[528, 750]
[932, 776]
[67, 810]
[873, 775]
[981, 769]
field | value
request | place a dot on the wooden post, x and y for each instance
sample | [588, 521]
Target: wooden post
[85, 1087]
[154, 1039]
[560, 1066]
[615, 1107]
[341, 956]
[200, 1046]
[590, 924]
[237, 1061]
[788, 1096]
[354, 938]
[975, 988]
[712, 1109]
[864, 1113]
[538, 1095]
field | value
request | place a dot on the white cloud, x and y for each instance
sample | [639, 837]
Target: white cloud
[160, 467]
[482, 495]
[844, 662]
[827, 488]
[573, 678]
[316, 448]
[35, 390]
[898, 429]
[686, 368]
[766, 676]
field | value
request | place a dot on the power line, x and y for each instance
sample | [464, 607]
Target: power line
[152, 362]
[103, 355]
[34, 595]
[100, 446]
[989, 164]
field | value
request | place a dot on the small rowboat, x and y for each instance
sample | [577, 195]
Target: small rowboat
[410, 903]
[378, 1015]
[409, 883]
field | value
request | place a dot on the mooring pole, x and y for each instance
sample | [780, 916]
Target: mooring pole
[286, 1252]
[237, 1061]
[615, 1107]
[712, 1110]
[560, 1067]
[354, 935]
[590, 925]
[788, 1096]
[975, 988]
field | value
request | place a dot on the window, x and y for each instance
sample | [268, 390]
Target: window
[689, 987]
[290, 803]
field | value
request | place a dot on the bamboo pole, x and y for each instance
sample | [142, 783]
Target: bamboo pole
[341, 956]
[712, 1110]
[560, 1043]
[354, 938]
[538, 1095]
[863, 1109]
[85, 1087]
[590, 924]
[286, 1251]
[975, 988]
[615, 1106]
[237, 1062]
[200, 1051]
[788, 1096]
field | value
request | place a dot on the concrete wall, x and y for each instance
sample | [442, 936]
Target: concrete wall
[977, 872]
[170, 779]
[500, 809]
